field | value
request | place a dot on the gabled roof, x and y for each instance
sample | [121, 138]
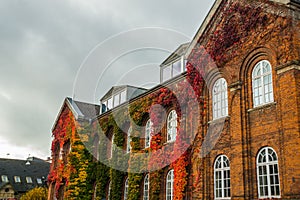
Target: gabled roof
[212, 12]
[215, 10]
[33, 167]
[85, 110]
[180, 51]
[2, 184]
[116, 89]
[80, 110]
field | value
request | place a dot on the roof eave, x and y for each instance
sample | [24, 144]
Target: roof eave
[69, 104]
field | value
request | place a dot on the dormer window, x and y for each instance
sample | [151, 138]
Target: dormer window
[28, 179]
[118, 95]
[4, 178]
[17, 179]
[173, 69]
[39, 180]
[113, 101]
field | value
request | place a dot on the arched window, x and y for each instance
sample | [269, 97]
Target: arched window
[126, 189]
[262, 86]
[111, 146]
[146, 187]
[268, 173]
[222, 178]
[169, 185]
[128, 147]
[108, 190]
[148, 129]
[172, 126]
[220, 99]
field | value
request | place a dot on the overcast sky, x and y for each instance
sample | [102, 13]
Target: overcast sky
[43, 43]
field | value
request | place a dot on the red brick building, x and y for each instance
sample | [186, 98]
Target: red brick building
[241, 140]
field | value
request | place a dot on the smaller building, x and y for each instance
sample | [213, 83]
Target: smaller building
[19, 176]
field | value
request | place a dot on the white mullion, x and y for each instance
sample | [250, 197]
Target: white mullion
[182, 64]
[263, 88]
[222, 176]
[268, 173]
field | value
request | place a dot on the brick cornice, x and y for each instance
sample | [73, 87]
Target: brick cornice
[294, 64]
[235, 86]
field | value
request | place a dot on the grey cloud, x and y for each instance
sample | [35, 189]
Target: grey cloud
[43, 43]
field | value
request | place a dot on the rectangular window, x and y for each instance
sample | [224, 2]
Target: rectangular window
[176, 68]
[17, 179]
[166, 73]
[123, 96]
[104, 107]
[116, 100]
[109, 103]
[28, 179]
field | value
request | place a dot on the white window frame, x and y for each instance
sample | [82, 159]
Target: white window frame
[17, 179]
[267, 165]
[4, 178]
[172, 126]
[146, 188]
[126, 187]
[262, 84]
[182, 61]
[39, 181]
[148, 130]
[28, 179]
[220, 99]
[114, 104]
[128, 146]
[222, 175]
[170, 185]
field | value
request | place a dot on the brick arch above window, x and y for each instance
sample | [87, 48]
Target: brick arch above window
[249, 63]
[211, 80]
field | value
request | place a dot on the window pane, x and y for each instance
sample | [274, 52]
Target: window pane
[262, 82]
[123, 96]
[4, 178]
[17, 179]
[176, 68]
[109, 104]
[169, 185]
[104, 106]
[166, 73]
[148, 133]
[129, 139]
[222, 177]
[39, 181]
[126, 189]
[268, 173]
[220, 99]
[28, 179]
[184, 64]
[116, 100]
[146, 188]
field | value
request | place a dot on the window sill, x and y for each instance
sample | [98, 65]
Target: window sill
[273, 197]
[221, 119]
[260, 107]
[169, 143]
